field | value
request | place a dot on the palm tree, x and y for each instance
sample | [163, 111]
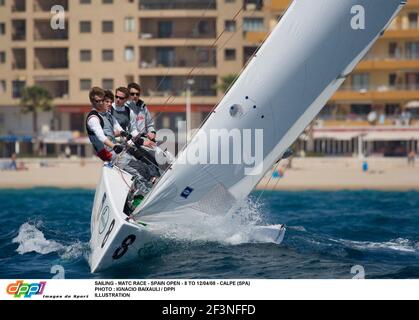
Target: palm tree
[35, 99]
[227, 82]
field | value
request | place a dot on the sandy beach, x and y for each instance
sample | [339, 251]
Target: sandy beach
[305, 174]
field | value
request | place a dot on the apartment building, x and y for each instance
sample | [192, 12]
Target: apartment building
[163, 43]
[106, 43]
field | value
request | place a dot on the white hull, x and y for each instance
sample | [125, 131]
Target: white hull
[116, 240]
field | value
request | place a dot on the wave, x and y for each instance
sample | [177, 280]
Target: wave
[297, 228]
[31, 239]
[400, 244]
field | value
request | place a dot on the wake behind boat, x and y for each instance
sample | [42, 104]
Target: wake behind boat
[286, 84]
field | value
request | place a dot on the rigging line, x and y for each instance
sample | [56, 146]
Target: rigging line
[241, 71]
[218, 49]
[123, 178]
[184, 48]
[269, 181]
[238, 75]
[213, 45]
[166, 75]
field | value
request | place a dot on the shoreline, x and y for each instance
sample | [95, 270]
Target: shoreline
[305, 174]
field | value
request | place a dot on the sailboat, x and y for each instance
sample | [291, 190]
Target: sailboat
[303, 62]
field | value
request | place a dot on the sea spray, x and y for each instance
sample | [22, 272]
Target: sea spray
[31, 239]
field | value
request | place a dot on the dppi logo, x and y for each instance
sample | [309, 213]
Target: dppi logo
[27, 290]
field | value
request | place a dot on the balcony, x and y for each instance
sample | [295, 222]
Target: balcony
[176, 86]
[43, 31]
[253, 5]
[178, 5]
[280, 5]
[401, 34]
[51, 58]
[46, 5]
[177, 57]
[19, 59]
[255, 37]
[402, 28]
[377, 94]
[178, 29]
[57, 87]
[389, 62]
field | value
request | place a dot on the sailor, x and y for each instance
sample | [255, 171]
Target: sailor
[109, 100]
[102, 129]
[144, 125]
[122, 112]
[144, 120]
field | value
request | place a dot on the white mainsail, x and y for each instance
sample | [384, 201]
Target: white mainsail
[296, 71]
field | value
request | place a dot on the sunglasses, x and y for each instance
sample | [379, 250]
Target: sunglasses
[134, 94]
[98, 101]
[120, 98]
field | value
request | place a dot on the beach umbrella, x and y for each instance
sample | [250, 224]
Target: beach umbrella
[412, 105]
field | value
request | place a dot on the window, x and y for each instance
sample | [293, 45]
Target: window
[203, 55]
[85, 1]
[412, 50]
[230, 54]
[107, 1]
[107, 84]
[165, 56]
[17, 87]
[85, 84]
[85, 27]
[412, 80]
[230, 26]
[413, 20]
[85, 55]
[394, 50]
[129, 54]
[19, 30]
[3, 86]
[2, 28]
[361, 81]
[165, 29]
[361, 109]
[392, 80]
[107, 26]
[2, 57]
[253, 24]
[129, 24]
[107, 55]
[203, 27]
[166, 83]
[2, 118]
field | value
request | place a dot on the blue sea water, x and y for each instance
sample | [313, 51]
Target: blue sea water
[328, 234]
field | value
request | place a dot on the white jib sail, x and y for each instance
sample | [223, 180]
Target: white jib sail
[296, 71]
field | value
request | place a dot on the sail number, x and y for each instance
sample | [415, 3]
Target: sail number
[105, 239]
[123, 249]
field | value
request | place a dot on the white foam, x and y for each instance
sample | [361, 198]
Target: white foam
[31, 239]
[298, 228]
[240, 227]
[399, 244]
[75, 251]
